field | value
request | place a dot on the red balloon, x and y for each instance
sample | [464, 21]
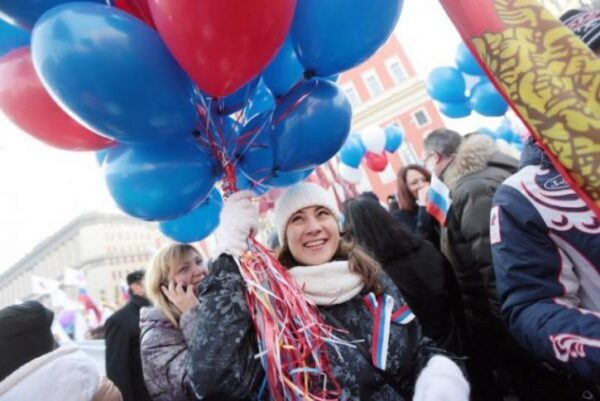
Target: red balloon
[26, 103]
[376, 162]
[222, 44]
[138, 8]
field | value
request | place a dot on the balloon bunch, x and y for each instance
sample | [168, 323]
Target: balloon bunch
[180, 95]
[371, 144]
[464, 88]
[509, 133]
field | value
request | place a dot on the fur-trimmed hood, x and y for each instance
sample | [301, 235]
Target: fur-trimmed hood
[475, 153]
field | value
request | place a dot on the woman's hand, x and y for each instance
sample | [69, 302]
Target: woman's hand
[239, 220]
[181, 296]
[423, 195]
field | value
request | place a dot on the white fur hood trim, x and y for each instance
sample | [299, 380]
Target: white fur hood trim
[471, 157]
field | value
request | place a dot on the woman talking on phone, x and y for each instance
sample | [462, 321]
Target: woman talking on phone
[168, 326]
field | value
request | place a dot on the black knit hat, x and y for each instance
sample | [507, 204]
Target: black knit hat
[25, 334]
[135, 276]
[585, 24]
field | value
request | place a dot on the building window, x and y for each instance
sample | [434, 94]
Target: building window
[421, 118]
[396, 70]
[408, 154]
[352, 94]
[388, 175]
[373, 83]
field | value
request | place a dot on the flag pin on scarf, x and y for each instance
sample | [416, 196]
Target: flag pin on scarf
[438, 202]
[381, 308]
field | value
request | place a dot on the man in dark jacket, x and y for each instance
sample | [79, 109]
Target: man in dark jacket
[123, 360]
[472, 168]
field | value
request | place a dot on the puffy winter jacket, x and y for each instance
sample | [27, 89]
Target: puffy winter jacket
[222, 354]
[473, 177]
[165, 354]
[546, 249]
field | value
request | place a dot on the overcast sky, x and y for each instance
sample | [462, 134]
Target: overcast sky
[42, 188]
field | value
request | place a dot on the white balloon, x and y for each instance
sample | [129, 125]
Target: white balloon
[373, 137]
[350, 174]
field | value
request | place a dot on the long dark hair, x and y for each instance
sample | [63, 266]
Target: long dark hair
[375, 230]
[405, 198]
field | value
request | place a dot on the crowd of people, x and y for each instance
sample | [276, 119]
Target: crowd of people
[505, 293]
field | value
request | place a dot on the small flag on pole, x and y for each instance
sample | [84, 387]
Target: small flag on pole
[438, 203]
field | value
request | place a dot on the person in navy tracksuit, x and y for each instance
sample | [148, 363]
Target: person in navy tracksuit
[546, 252]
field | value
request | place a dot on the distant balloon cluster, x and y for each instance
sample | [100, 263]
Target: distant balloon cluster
[465, 88]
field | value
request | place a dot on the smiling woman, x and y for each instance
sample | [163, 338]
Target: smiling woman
[344, 284]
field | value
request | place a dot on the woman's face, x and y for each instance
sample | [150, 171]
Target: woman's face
[415, 181]
[312, 235]
[190, 270]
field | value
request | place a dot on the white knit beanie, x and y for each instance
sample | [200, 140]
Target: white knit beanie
[297, 197]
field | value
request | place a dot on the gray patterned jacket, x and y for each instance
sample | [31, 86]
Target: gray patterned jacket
[165, 354]
[222, 363]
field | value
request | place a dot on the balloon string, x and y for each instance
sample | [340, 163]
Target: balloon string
[291, 334]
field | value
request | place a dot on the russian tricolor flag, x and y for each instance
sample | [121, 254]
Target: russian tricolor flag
[439, 201]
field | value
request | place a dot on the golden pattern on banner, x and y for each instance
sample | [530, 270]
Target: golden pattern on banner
[554, 80]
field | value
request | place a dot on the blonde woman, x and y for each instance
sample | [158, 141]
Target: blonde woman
[168, 326]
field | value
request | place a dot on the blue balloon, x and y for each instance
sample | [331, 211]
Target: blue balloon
[446, 85]
[486, 100]
[393, 138]
[504, 132]
[243, 183]
[487, 132]
[235, 101]
[285, 179]
[12, 37]
[334, 35]
[101, 156]
[455, 110]
[255, 158]
[466, 62]
[24, 13]
[333, 78]
[352, 152]
[284, 71]
[197, 224]
[516, 138]
[158, 182]
[114, 73]
[256, 163]
[262, 101]
[310, 125]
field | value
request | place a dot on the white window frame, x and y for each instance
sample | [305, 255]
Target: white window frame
[372, 74]
[416, 122]
[388, 175]
[350, 86]
[388, 65]
[408, 155]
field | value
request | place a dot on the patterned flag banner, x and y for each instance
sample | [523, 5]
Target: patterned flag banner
[547, 74]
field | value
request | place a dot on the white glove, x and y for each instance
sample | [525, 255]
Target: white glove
[239, 219]
[441, 380]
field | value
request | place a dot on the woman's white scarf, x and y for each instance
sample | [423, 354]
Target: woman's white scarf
[328, 284]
